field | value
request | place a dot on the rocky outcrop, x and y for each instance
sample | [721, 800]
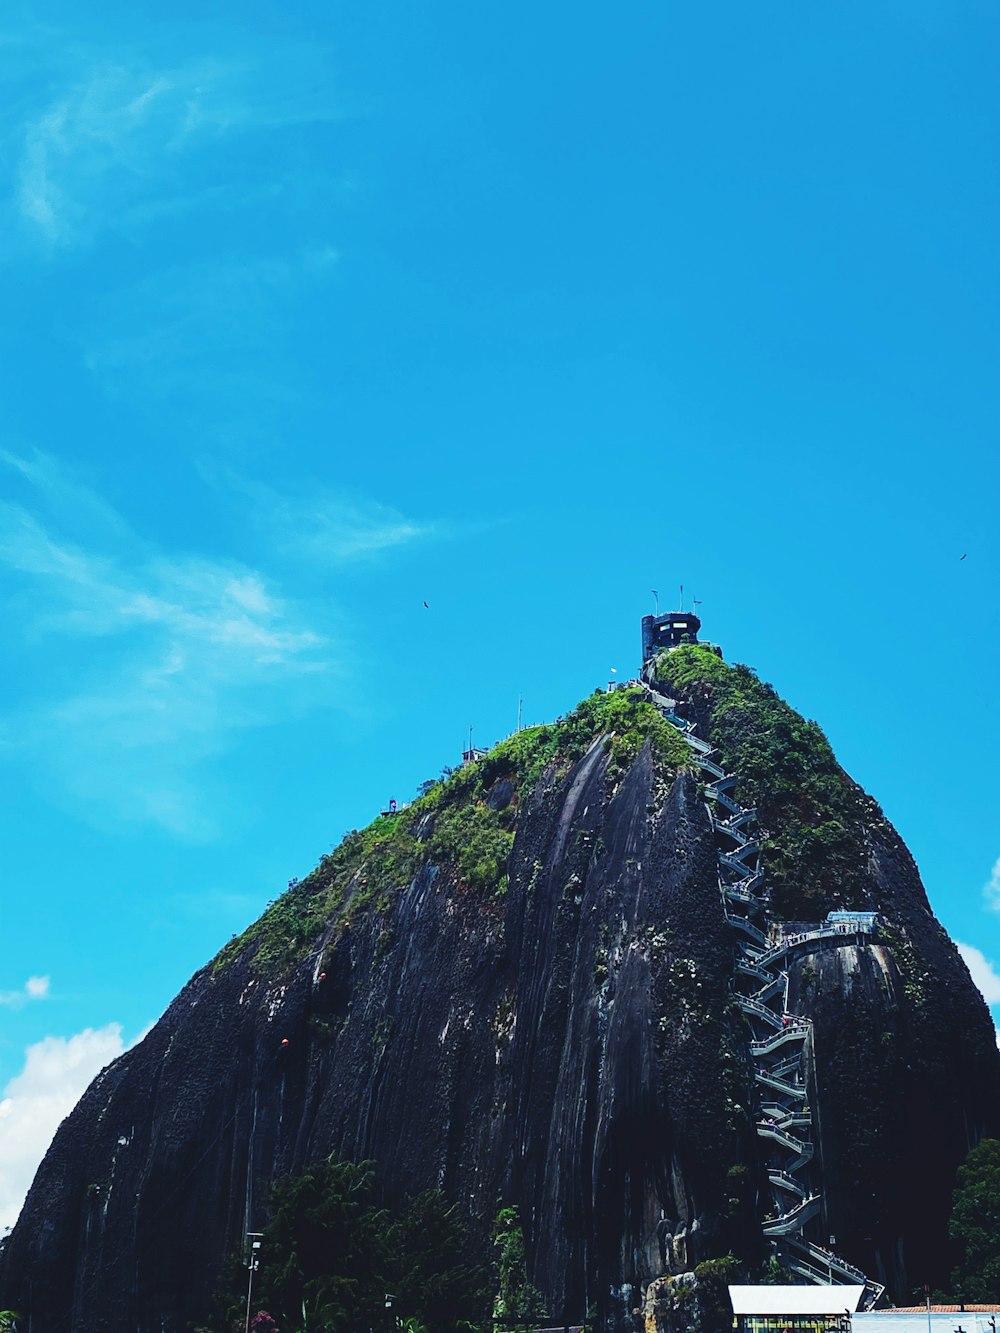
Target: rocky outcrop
[563, 1040]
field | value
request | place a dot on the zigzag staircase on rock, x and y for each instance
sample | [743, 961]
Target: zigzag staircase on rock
[781, 1044]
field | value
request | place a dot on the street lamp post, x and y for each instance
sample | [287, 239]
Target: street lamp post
[253, 1263]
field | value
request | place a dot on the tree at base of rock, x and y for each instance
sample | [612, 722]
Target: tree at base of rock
[975, 1225]
[330, 1259]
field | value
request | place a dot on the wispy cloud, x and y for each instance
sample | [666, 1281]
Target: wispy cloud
[35, 988]
[991, 889]
[327, 528]
[56, 1072]
[62, 496]
[107, 149]
[164, 658]
[185, 651]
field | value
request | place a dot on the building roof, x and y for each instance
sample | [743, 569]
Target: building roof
[943, 1309]
[795, 1300]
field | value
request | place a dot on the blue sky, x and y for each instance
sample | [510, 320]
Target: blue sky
[314, 313]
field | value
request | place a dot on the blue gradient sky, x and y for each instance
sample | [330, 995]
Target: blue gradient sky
[316, 312]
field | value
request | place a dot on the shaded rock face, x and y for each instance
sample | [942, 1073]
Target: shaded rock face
[569, 1047]
[907, 1078]
[566, 1047]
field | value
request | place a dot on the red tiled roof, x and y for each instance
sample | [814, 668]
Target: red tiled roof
[940, 1309]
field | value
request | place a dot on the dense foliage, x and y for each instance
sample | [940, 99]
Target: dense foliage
[811, 813]
[330, 1259]
[516, 1299]
[975, 1225]
[465, 822]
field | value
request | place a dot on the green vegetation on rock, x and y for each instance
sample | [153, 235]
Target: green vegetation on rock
[464, 823]
[812, 815]
[516, 1299]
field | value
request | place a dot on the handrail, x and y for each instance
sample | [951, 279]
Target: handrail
[770, 987]
[784, 1117]
[779, 1084]
[740, 894]
[803, 1147]
[726, 826]
[751, 970]
[741, 923]
[784, 1181]
[794, 1218]
[761, 967]
[752, 1006]
[829, 1259]
[793, 1032]
[733, 863]
[808, 936]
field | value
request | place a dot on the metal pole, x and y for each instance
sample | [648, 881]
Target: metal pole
[249, 1295]
[254, 1238]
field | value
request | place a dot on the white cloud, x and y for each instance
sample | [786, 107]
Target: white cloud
[983, 971]
[329, 529]
[186, 651]
[991, 889]
[182, 652]
[322, 527]
[56, 1072]
[63, 497]
[35, 988]
[106, 152]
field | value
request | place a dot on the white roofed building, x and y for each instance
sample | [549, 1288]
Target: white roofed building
[794, 1309]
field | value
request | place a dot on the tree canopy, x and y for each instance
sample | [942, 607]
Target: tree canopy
[975, 1224]
[330, 1257]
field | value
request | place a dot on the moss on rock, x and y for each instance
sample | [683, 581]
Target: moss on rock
[465, 824]
[815, 820]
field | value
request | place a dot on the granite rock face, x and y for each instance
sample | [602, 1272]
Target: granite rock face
[569, 1046]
